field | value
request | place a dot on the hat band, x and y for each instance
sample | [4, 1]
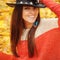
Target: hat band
[24, 3]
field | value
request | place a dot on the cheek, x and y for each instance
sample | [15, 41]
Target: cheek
[36, 14]
[23, 15]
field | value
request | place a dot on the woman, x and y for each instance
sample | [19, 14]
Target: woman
[25, 20]
[26, 41]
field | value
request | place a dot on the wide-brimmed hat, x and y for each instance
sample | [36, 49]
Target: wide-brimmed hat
[33, 3]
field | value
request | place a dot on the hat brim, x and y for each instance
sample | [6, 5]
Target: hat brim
[15, 4]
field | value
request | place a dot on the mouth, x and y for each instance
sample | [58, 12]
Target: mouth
[30, 17]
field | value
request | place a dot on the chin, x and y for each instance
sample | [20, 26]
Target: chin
[31, 22]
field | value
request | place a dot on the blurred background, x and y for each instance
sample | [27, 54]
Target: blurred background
[5, 18]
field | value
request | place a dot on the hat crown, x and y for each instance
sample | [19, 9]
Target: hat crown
[35, 3]
[28, 1]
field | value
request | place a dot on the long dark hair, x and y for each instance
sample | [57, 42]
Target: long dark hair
[17, 27]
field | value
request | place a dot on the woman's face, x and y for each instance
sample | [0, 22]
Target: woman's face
[29, 14]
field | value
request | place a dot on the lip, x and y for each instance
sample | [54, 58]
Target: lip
[31, 16]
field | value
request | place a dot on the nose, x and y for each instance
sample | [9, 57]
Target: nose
[32, 11]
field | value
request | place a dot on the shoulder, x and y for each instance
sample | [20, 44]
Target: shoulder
[51, 35]
[54, 34]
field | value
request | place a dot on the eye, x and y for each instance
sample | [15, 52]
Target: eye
[35, 8]
[26, 8]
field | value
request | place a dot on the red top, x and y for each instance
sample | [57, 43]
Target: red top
[48, 44]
